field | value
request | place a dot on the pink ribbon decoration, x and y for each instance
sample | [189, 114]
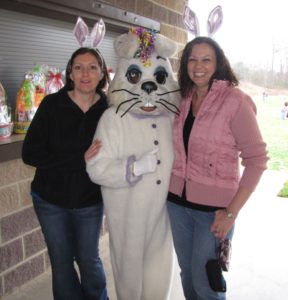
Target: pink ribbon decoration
[54, 83]
[51, 75]
[191, 21]
[214, 20]
[97, 33]
[81, 31]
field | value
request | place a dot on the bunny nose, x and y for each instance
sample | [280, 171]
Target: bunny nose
[149, 87]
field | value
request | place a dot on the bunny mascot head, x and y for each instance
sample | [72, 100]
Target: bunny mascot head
[144, 83]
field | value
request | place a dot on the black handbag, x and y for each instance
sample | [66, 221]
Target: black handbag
[214, 267]
[215, 277]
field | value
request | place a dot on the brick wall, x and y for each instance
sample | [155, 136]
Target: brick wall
[22, 247]
[167, 12]
[23, 255]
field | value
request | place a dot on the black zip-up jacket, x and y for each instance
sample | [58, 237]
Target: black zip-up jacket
[55, 143]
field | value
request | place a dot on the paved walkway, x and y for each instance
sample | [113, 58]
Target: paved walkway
[259, 266]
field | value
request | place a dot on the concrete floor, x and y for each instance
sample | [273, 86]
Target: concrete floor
[40, 288]
[259, 266]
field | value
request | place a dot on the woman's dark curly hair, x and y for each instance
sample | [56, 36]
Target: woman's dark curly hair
[223, 68]
[69, 84]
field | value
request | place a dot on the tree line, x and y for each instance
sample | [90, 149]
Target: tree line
[261, 76]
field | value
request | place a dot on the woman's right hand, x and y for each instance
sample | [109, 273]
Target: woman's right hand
[92, 150]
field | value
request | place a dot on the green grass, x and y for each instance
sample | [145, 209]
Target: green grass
[274, 130]
[275, 134]
[284, 191]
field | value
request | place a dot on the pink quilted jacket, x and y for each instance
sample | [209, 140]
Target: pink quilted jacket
[225, 127]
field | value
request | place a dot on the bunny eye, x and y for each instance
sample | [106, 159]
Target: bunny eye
[133, 74]
[161, 75]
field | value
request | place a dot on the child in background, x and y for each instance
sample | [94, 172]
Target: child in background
[284, 111]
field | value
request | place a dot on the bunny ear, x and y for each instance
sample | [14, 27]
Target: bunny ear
[191, 21]
[164, 46]
[126, 45]
[81, 31]
[98, 33]
[214, 20]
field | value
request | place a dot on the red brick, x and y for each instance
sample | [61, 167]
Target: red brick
[144, 8]
[23, 273]
[128, 5]
[33, 243]
[160, 14]
[11, 254]
[172, 18]
[17, 224]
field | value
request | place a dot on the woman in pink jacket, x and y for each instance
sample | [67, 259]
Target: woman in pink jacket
[216, 125]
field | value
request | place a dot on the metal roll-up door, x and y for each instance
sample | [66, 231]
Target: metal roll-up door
[26, 40]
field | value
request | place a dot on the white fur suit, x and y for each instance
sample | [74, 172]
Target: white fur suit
[135, 206]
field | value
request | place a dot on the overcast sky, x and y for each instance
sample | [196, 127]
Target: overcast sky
[250, 29]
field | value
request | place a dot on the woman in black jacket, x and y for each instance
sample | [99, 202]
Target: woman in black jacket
[68, 205]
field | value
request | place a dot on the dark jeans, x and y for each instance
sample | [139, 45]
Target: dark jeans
[73, 235]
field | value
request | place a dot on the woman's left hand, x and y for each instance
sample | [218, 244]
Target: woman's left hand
[222, 224]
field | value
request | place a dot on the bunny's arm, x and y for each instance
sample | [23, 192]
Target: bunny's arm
[111, 166]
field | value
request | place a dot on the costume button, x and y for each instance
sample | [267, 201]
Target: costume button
[158, 162]
[158, 181]
[154, 125]
[156, 142]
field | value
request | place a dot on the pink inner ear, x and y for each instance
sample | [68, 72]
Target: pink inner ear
[81, 31]
[190, 20]
[98, 33]
[214, 20]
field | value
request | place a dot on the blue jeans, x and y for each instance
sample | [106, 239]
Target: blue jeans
[73, 235]
[194, 245]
